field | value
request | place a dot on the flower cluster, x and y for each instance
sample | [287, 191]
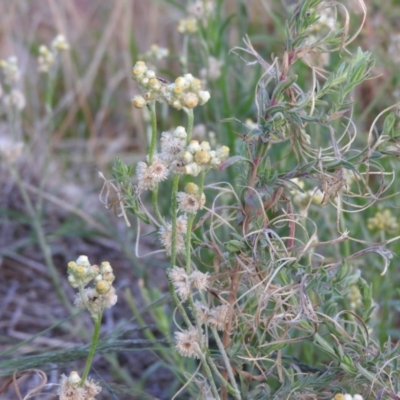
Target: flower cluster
[213, 70]
[201, 9]
[70, 388]
[199, 156]
[355, 297]
[188, 342]
[383, 221]
[341, 396]
[13, 98]
[303, 197]
[184, 283]
[10, 69]
[10, 149]
[156, 52]
[216, 317]
[190, 200]
[47, 57]
[185, 92]
[102, 295]
[187, 25]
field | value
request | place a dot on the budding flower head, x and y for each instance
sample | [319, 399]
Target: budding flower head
[103, 287]
[191, 188]
[188, 25]
[81, 272]
[10, 69]
[60, 43]
[139, 101]
[180, 132]
[202, 157]
[46, 59]
[190, 100]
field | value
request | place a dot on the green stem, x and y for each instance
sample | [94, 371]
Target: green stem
[189, 129]
[35, 221]
[152, 149]
[210, 377]
[218, 374]
[47, 136]
[154, 198]
[174, 217]
[153, 140]
[190, 226]
[184, 57]
[227, 363]
[92, 351]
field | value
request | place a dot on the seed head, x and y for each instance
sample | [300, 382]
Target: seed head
[218, 317]
[200, 280]
[188, 343]
[189, 202]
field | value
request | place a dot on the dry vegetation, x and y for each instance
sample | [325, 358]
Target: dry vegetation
[93, 122]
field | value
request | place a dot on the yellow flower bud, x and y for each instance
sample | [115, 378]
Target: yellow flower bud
[154, 84]
[138, 101]
[202, 157]
[191, 188]
[103, 287]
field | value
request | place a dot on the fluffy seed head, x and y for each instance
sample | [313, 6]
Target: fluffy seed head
[189, 202]
[200, 280]
[188, 343]
[218, 317]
